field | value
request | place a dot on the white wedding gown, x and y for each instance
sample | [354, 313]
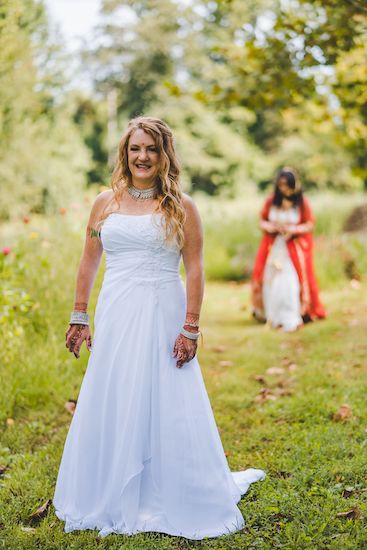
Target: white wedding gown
[281, 288]
[143, 452]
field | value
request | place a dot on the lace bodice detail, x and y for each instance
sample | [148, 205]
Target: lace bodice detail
[136, 246]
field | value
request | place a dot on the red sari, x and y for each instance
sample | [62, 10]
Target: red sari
[300, 248]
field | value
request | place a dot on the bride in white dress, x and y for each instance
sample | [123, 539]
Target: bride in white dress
[281, 291]
[143, 452]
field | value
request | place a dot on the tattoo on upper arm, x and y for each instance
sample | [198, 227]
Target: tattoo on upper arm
[93, 232]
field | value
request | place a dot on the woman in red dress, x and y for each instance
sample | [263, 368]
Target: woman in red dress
[284, 287]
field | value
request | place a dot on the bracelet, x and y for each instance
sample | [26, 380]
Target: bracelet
[187, 326]
[79, 318]
[190, 335]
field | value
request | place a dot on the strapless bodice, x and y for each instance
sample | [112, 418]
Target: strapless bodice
[136, 247]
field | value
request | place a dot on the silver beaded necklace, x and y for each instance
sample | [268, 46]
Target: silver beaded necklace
[142, 194]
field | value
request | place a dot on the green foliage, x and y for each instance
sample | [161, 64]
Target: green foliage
[273, 58]
[42, 159]
[216, 157]
[247, 87]
[350, 89]
[137, 51]
[16, 304]
[90, 117]
[310, 141]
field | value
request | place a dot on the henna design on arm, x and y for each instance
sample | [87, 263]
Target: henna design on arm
[192, 320]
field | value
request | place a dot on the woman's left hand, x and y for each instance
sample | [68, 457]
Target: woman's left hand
[184, 350]
[288, 231]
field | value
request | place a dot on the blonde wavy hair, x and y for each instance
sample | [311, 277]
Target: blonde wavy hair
[169, 187]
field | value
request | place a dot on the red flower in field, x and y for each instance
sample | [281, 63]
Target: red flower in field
[26, 219]
[63, 211]
[6, 250]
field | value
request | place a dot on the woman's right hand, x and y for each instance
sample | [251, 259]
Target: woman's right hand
[75, 335]
[269, 227]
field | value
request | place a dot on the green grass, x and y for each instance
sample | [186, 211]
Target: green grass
[309, 457]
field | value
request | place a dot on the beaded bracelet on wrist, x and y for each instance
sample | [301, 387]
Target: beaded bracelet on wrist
[194, 325]
[79, 318]
[190, 335]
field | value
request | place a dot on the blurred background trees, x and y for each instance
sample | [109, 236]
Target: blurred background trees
[42, 157]
[246, 86]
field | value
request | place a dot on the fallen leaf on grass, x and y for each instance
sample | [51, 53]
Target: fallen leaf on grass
[3, 469]
[292, 367]
[283, 392]
[348, 491]
[282, 474]
[275, 370]
[299, 349]
[289, 364]
[40, 512]
[284, 383]
[225, 363]
[343, 413]
[219, 349]
[265, 395]
[10, 421]
[353, 513]
[28, 529]
[260, 378]
[70, 405]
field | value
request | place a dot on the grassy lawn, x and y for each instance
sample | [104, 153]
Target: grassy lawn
[284, 420]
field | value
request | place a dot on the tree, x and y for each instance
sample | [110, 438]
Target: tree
[42, 158]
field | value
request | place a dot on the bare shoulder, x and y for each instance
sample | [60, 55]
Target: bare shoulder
[193, 227]
[190, 207]
[101, 200]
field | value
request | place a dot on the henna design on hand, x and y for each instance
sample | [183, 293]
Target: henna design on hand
[184, 350]
[75, 335]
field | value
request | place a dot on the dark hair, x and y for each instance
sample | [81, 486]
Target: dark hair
[293, 182]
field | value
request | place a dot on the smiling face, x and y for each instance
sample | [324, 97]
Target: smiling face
[143, 159]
